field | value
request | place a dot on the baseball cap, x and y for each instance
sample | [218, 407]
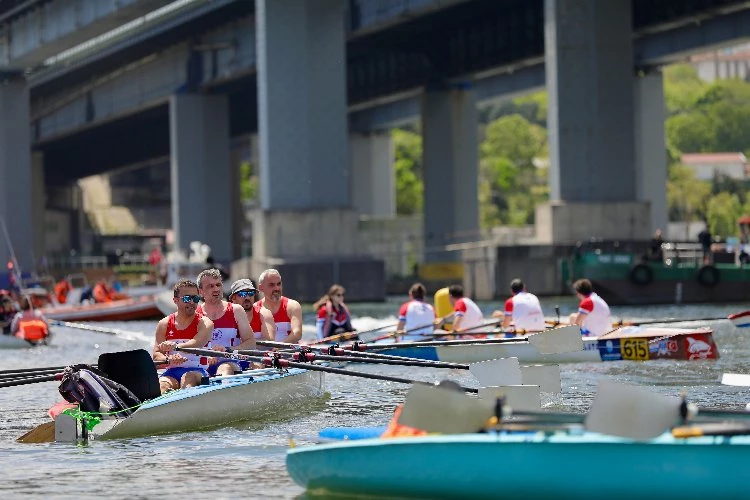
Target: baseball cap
[243, 284]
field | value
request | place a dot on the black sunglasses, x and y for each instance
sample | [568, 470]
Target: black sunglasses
[187, 298]
[246, 293]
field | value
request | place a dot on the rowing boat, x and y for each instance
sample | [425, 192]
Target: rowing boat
[526, 465]
[251, 395]
[626, 343]
[13, 342]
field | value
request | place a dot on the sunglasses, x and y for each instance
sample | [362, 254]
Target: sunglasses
[246, 293]
[187, 298]
[338, 294]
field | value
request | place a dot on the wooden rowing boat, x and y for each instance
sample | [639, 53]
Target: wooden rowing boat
[626, 343]
[526, 465]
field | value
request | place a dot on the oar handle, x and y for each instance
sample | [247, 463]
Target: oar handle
[281, 363]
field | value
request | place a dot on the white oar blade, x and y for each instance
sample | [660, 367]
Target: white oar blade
[547, 377]
[741, 320]
[631, 412]
[557, 340]
[518, 397]
[737, 379]
[504, 371]
[444, 410]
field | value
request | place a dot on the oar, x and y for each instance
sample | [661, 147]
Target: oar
[27, 370]
[30, 380]
[99, 329]
[284, 363]
[740, 319]
[712, 429]
[10, 376]
[496, 372]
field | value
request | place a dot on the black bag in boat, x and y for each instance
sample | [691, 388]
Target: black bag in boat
[94, 392]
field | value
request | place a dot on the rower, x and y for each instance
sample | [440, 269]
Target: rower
[243, 292]
[466, 312]
[593, 315]
[522, 309]
[415, 314]
[287, 313]
[231, 327]
[186, 327]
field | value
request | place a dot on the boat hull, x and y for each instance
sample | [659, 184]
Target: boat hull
[119, 310]
[13, 342]
[526, 466]
[623, 292]
[627, 343]
[226, 400]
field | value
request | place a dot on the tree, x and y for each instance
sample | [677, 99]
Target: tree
[248, 183]
[722, 213]
[686, 196]
[408, 171]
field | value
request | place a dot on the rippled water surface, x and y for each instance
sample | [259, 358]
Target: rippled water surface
[248, 459]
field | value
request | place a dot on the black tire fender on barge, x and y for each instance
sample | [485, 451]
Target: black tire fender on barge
[641, 275]
[708, 276]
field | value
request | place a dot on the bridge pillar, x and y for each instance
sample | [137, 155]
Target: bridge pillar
[15, 173]
[38, 204]
[305, 192]
[593, 177]
[450, 153]
[373, 178]
[203, 182]
[650, 146]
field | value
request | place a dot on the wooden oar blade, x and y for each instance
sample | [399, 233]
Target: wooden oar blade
[631, 412]
[736, 379]
[504, 371]
[44, 433]
[444, 410]
[547, 377]
[518, 397]
[558, 340]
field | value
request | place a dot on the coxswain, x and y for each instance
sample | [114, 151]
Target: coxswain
[334, 317]
[187, 328]
[231, 327]
[243, 292]
[29, 323]
[593, 316]
[416, 317]
[287, 313]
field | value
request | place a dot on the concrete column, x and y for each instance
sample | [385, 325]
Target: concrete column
[450, 152]
[302, 130]
[16, 191]
[38, 205]
[589, 71]
[202, 181]
[650, 146]
[373, 177]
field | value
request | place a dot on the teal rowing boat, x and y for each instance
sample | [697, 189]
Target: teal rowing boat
[527, 465]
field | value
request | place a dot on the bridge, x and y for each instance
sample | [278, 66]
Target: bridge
[176, 81]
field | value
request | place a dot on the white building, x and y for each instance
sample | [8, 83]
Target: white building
[708, 165]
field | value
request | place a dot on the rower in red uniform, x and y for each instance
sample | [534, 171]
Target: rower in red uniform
[186, 327]
[231, 328]
[261, 320]
[287, 313]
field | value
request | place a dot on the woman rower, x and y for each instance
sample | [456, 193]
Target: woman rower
[333, 315]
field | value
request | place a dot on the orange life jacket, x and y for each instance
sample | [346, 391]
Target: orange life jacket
[102, 293]
[32, 329]
[62, 288]
[395, 429]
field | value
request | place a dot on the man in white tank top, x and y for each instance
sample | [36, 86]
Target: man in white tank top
[416, 318]
[522, 310]
[593, 316]
[466, 314]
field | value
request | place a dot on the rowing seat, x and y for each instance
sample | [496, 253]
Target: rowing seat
[133, 369]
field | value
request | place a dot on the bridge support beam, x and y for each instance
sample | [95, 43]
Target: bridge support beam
[589, 72]
[450, 153]
[373, 178]
[305, 192]
[204, 186]
[16, 183]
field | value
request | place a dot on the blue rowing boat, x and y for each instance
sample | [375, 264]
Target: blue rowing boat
[577, 465]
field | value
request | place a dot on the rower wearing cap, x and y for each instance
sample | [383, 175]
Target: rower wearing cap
[189, 328]
[243, 292]
[231, 327]
[287, 313]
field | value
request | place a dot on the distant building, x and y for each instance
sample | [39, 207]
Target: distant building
[708, 165]
[723, 64]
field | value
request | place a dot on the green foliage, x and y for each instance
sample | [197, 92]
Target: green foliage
[408, 171]
[722, 213]
[687, 196]
[248, 183]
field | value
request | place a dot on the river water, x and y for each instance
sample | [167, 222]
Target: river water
[249, 459]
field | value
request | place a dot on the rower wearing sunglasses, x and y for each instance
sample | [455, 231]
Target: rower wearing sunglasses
[231, 327]
[243, 292]
[188, 328]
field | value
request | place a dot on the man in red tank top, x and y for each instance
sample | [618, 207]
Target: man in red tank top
[287, 313]
[187, 328]
[231, 327]
[243, 293]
